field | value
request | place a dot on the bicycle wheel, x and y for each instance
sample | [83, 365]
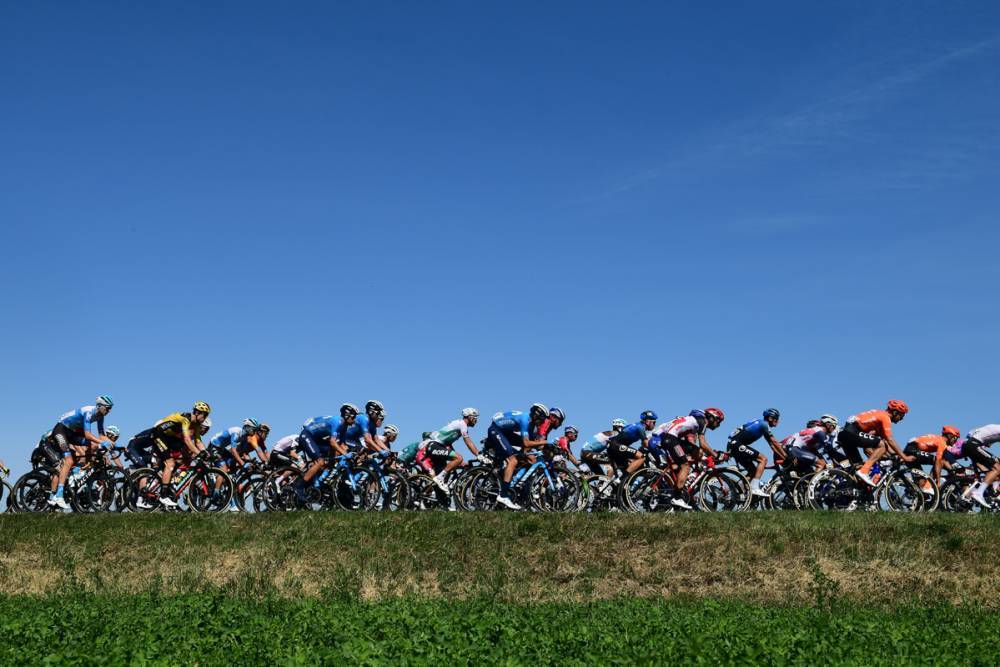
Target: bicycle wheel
[144, 490]
[721, 491]
[483, 490]
[601, 494]
[210, 490]
[96, 494]
[31, 491]
[799, 491]
[278, 492]
[247, 491]
[834, 489]
[387, 491]
[645, 490]
[423, 492]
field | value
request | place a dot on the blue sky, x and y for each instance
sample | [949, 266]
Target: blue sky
[603, 206]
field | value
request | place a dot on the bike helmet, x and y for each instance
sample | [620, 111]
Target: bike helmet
[697, 414]
[206, 425]
[716, 413]
[829, 420]
[572, 429]
[618, 423]
[390, 429]
[113, 432]
[470, 412]
[374, 408]
[771, 413]
[250, 424]
[647, 414]
[348, 410]
[201, 406]
[898, 406]
[558, 414]
[537, 411]
[105, 401]
[264, 428]
[952, 431]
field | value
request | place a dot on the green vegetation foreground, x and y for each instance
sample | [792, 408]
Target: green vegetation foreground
[883, 560]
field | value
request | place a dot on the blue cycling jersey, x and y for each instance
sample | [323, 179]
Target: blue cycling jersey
[630, 434]
[80, 419]
[228, 438]
[356, 431]
[750, 432]
[513, 423]
[323, 427]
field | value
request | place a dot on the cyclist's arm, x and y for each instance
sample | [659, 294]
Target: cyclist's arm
[529, 444]
[236, 456]
[94, 439]
[471, 445]
[776, 446]
[891, 442]
[705, 447]
[373, 443]
[261, 452]
[338, 448]
[938, 463]
[189, 442]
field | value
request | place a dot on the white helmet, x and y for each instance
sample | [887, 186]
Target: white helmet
[829, 420]
[390, 429]
[470, 412]
[618, 423]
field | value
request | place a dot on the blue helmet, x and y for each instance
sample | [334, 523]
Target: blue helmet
[697, 414]
[771, 413]
[648, 414]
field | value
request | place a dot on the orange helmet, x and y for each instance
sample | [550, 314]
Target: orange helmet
[951, 430]
[899, 406]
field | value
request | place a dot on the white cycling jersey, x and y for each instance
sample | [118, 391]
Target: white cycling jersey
[286, 444]
[987, 435]
[680, 427]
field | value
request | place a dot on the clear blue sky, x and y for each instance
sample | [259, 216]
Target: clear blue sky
[607, 207]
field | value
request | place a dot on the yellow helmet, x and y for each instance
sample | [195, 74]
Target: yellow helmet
[202, 406]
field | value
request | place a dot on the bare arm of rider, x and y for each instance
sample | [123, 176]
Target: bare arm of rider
[776, 447]
[471, 445]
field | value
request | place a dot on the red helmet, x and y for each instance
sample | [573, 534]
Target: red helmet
[952, 431]
[899, 406]
[715, 412]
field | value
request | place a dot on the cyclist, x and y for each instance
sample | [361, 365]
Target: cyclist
[593, 452]
[803, 448]
[389, 434]
[682, 438]
[620, 451]
[555, 419]
[569, 436]
[235, 444]
[930, 450]
[285, 452]
[871, 431]
[72, 435]
[439, 447]
[322, 437]
[176, 435]
[751, 460]
[976, 447]
[365, 428]
[510, 430]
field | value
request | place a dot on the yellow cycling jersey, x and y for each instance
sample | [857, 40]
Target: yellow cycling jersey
[174, 426]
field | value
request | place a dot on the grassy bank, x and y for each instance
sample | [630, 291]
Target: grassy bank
[767, 558]
[220, 630]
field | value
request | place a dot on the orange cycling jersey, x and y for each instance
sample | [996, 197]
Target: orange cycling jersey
[930, 443]
[875, 420]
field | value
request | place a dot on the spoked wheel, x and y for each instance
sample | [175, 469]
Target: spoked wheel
[834, 489]
[779, 495]
[555, 492]
[246, 491]
[952, 500]
[276, 493]
[387, 491]
[903, 491]
[210, 490]
[423, 492]
[31, 491]
[645, 490]
[96, 494]
[799, 491]
[723, 490]
[483, 489]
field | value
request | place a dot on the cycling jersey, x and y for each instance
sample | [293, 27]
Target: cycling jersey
[409, 453]
[929, 443]
[80, 419]
[175, 425]
[684, 426]
[986, 435]
[750, 432]
[873, 421]
[514, 423]
[322, 428]
[286, 444]
[809, 439]
[451, 432]
[629, 435]
[563, 444]
[362, 424]
[598, 442]
[228, 438]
